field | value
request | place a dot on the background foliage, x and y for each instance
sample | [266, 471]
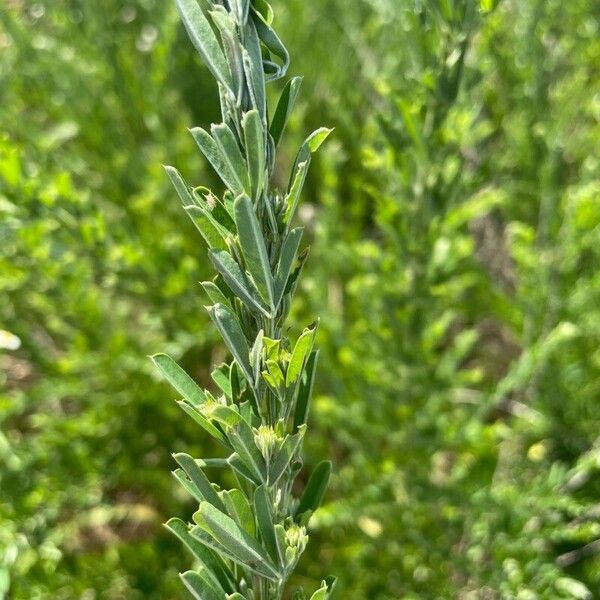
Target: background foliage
[456, 240]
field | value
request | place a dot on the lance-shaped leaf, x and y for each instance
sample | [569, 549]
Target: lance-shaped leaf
[215, 294]
[212, 235]
[220, 164]
[232, 334]
[284, 455]
[242, 440]
[204, 555]
[204, 39]
[197, 476]
[315, 489]
[220, 376]
[256, 353]
[231, 153]
[293, 196]
[254, 140]
[187, 484]
[310, 145]
[253, 68]
[202, 585]
[180, 185]
[239, 467]
[204, 423]
[240, 511]
[179, 379]
[275, 46]
[264, 518]
[305, 391]
[289, 250]
[237, 281]
[253, 247]
[301, 351]
[235, 540]
[284, 108]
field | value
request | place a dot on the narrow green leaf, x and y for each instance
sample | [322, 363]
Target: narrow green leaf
[315, 488]
[205, 225]
[264, 518]
[310, 145]
[215, 294]
[204, 423]
[242, 440]
[237, 281]
[240, 511]
[253, 69]
[301, 351]
[210, 542]
[179, 379]
[205, 40]
[239, 467]
[231, 153]
[286, 453]
[254, 140]
[187, 484]
[232, 334]
[305, 391]
[197, 476]
[201, 585]
[256, 354]
[181, 187]
[253, 248]
[214, 155]
[272, 42]
[220, 376]
[284, 108]
[204, 555]
[232, 537]
[286, 260]
[293, 196]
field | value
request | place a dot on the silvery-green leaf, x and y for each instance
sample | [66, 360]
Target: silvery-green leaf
[235, 540]
[201, 585]
[237, 281]
[201, 553]
[253, 68]
[284, 455]
[233, 336]
[242, 440]
[179, 379]
[197, 476]
[254, 140]
[204, 39]
[220, 375]
[253, 248]
[231, 153]
[215, 157]
[240, 511]
[293, 196]
[205, 225]
[204, 423]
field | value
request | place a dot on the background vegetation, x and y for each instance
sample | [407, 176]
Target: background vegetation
[455, 224]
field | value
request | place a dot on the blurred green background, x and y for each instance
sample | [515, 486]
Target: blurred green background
[455, 224]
